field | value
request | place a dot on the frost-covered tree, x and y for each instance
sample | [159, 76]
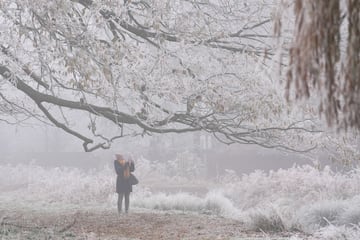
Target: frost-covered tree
[108, 69]
[325, 58]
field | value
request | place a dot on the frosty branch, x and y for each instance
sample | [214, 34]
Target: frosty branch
[102, 72]
[225, 127]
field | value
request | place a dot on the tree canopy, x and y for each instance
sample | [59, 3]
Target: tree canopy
[103, 70]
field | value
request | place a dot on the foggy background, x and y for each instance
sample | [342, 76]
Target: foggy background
[49, 146]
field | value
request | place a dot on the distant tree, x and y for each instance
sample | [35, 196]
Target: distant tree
[325, 58]
[103, 70]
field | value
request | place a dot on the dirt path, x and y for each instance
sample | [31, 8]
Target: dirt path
[108, 225]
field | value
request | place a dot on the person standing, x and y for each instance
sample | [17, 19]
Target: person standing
[123, 169]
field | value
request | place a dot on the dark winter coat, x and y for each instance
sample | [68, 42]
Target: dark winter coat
[122, 183]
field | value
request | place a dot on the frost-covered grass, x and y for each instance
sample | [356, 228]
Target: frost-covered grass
[332, 232]
[52, 186]
[212, 203]
[323, 203]
[301, 198]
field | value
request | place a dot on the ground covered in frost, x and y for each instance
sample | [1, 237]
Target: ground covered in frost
[135, 225]
[68, 203]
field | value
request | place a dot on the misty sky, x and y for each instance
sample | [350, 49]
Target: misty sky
[17, 141]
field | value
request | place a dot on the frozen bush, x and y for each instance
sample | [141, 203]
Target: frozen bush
[216, 202]
[351, 215]
[162, 201]
[332, 232]
[320, 214]
[212, 203]
[266, 220]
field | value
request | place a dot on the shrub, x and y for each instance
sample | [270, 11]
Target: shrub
[266, 220]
